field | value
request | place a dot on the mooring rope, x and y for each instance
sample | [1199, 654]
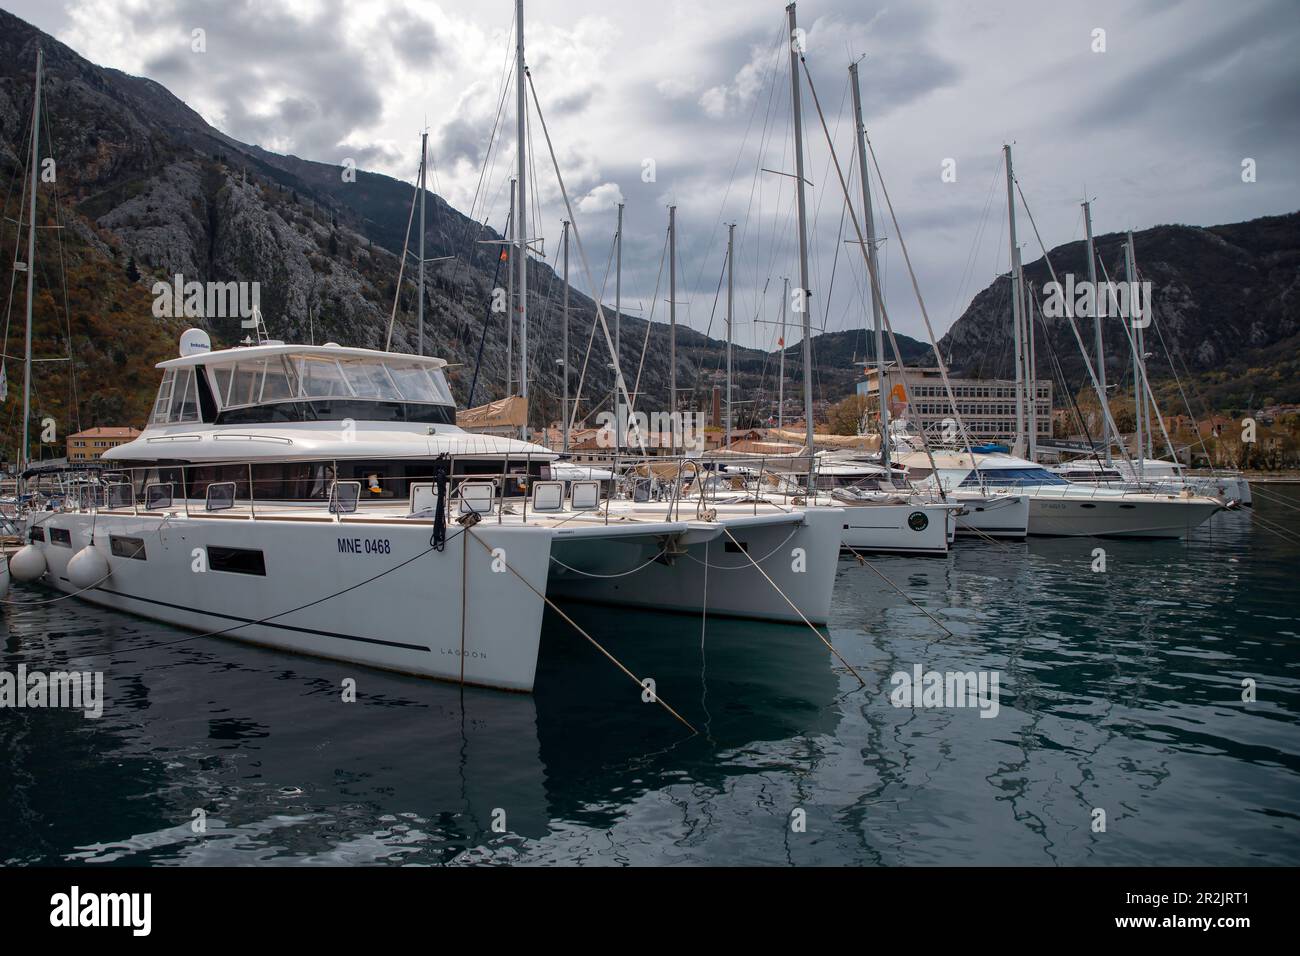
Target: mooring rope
[795, 607]
[594, 643]
[621, 574]
[741, 567]
[987, 537]
[1275, 499]
[863, 561]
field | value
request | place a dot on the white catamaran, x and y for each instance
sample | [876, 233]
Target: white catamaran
[318, 499]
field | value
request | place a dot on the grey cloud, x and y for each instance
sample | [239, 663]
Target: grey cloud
[327, 91]
[414, 39]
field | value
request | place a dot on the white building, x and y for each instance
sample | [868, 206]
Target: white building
[986, 406]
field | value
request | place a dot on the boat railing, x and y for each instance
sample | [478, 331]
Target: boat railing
[327, 493]
[504, 495]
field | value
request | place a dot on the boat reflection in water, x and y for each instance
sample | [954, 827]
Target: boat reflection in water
[285, 771]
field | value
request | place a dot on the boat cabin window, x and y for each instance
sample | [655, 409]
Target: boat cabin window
[219, 485]
[294, 387]
[289, 378]
[236, 560]
[1091, 474]
[178, 398]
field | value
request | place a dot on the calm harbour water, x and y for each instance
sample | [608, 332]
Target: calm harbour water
[1119, 690]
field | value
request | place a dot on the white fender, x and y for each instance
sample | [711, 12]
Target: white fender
[27, 564]
[88, 567]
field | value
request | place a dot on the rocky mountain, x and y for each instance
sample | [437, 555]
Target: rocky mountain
[1226, 314]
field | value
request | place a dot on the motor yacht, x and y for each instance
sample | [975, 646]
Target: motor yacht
[1059, 507]
[1156, 474]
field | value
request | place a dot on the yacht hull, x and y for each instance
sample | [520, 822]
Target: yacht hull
[450, 615]
[1117, 517]
[706, 569]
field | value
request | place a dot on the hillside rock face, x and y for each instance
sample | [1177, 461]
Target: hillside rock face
[1226, 311]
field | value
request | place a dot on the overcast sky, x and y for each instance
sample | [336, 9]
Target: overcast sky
[1155, 128]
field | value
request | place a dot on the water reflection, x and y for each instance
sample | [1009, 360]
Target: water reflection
[1120, 691]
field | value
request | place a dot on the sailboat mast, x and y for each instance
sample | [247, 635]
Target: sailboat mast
[564, 344]
[1031, 376]
[1096, 315]
[801, 207]
[672, 316]
[1139, 359]
[869, 215]
[780, 386]
[731, 294]
[1017, 305]
[510, 296]
[424, 159]
[31, 264]
[521, 133]
[618, 310]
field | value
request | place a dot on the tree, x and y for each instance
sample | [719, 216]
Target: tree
[132, 273]
[845, 416]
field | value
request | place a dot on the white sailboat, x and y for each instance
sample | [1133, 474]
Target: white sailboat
[966, 510]
[875, 519]
[1146, 471]
[974, 511]
[1157, 474]
[1057, 507]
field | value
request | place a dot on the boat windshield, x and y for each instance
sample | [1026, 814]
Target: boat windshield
[296, 378]
[1013, 477]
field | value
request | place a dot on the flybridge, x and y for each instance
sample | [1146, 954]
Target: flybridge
[280, 348]
[302, 383]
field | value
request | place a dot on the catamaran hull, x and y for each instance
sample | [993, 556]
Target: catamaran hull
[458, 614]
[707, 569]
[898, 528]
[993, 516]
[1100, 517]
